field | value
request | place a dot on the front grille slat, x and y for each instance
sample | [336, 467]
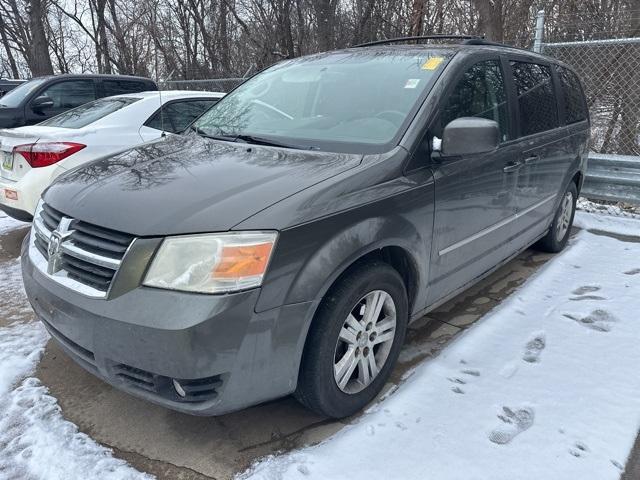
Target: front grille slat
[88, 267]
[97, 245]
[110, 236]
[87, 278]
[90, 255]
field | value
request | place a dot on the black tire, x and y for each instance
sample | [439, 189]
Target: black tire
[552, 242]
[317, 388]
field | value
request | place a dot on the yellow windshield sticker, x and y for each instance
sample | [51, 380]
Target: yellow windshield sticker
[432, 63]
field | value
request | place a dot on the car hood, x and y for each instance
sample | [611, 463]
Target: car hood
[189, 184]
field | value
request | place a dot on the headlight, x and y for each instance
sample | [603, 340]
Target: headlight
[211, 263]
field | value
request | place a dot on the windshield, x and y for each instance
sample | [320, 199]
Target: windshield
[355, 101]
[15, 97]
[89, 112]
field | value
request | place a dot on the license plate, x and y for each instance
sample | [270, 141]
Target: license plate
[7, 160]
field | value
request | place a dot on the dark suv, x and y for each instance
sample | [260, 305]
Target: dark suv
[285, 243]
[44, 97]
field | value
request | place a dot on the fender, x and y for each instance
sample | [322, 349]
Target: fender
[307, 282]
[311, 257]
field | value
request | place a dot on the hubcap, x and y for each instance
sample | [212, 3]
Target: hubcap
[364, 342]
[564, 220]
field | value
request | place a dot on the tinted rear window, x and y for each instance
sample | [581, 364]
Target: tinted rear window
[88, 113]
[575, 106]
[122, 87]
[536, 98]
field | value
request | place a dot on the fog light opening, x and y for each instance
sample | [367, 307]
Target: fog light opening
[179, 390]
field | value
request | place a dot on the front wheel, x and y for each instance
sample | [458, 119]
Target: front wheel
[354, 341]
[558, 235]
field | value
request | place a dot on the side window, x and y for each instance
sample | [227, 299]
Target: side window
[479, 93]
[71, 93]
[120, 87]
[536, 97]
[177, 116]
[575, 106]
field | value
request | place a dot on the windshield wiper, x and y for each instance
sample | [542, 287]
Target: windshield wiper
[256, 140]
[199, 131]
[253, 139]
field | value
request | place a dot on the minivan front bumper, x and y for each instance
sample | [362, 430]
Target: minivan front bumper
[195, 353]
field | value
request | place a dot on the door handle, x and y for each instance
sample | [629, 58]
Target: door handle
[512, 167]
[531, 159]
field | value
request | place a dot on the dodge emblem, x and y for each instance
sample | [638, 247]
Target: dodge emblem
[58, 236]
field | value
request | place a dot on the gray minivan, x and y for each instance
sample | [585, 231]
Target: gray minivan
[284, 244]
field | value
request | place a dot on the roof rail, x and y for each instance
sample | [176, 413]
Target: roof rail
[421, 37]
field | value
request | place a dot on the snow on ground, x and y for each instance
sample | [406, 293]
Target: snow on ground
[544, 387]
[7, 223]
[607, 223]
[36, 442]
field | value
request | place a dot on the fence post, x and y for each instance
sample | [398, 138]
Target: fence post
[537, 40]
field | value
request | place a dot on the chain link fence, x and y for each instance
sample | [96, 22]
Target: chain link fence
[609, 72]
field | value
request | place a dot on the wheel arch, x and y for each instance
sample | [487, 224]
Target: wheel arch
[394, 240]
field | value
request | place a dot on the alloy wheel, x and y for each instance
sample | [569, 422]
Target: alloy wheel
[564, 220]
[364, 343]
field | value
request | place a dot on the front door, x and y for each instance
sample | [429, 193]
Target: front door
[66, 94]
[474, 195]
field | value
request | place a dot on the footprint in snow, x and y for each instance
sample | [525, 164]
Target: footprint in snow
[599, 320]
[635, 271]
[534, 347]
[463, 378]
[514, 422]
[586, 293]
[578, 449]
[586, 289]
[617, 464]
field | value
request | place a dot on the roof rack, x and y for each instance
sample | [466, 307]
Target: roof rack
[467, 38]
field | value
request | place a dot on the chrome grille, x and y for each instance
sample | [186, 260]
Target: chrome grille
[88, 257]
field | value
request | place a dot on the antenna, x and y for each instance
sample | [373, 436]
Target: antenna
[163, 134]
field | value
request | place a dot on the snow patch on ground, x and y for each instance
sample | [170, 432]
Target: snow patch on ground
[609, 223]
[543, 387]
[7, 223]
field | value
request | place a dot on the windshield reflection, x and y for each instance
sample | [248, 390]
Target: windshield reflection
[355, 98]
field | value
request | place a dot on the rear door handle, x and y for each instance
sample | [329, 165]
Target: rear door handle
[531, 159]
[512, 167]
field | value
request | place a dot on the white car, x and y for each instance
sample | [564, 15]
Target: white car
[32, 157]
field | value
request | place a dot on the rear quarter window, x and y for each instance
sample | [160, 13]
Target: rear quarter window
[120, 87]
[537, 106]
[175, 117]
[575, 105]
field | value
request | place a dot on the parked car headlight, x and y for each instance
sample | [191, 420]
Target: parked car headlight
[211, 263]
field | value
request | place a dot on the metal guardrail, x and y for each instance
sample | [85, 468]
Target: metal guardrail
[614, 178]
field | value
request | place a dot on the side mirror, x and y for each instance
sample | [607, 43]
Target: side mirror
[468, 136]
[41, 103]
